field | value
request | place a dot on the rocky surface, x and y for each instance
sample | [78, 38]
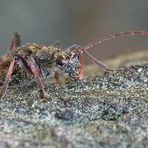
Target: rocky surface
[109, 110]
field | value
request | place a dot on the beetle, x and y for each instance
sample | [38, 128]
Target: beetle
[35, 59]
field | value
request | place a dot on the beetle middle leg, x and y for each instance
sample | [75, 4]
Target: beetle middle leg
[35, 72]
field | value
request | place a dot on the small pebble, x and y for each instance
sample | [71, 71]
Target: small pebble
[65, 115]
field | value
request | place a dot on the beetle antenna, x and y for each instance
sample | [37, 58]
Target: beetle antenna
[113, 36]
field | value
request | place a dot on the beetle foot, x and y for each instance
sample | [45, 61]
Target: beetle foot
[43, 94]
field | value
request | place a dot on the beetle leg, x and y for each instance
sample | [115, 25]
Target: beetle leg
[8, 76]
[30, 61]
[57, 76]
[15, 42]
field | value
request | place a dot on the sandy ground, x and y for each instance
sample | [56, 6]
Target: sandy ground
[105, 110]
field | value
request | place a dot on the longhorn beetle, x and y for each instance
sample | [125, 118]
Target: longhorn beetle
[35, 59]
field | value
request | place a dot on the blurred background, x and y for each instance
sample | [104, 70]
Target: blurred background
[75, 22]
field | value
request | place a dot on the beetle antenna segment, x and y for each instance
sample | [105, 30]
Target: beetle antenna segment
[112, 36]
[8, 76]
[97, 62]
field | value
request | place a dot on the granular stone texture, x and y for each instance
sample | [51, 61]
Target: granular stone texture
[109, 110]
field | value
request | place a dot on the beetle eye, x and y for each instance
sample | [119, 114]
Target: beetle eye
[59, 61]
